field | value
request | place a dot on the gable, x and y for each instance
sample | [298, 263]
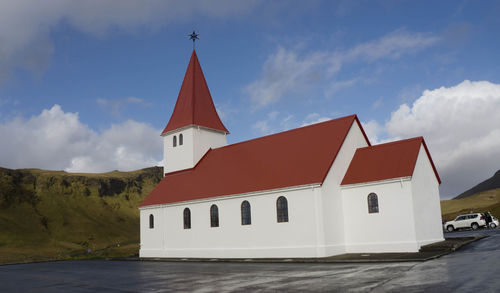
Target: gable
[386, 161]
[296, 157]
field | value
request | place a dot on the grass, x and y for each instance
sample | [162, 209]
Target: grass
[480, 202]
[49, 215]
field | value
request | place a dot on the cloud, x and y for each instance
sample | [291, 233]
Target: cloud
[461, 125]
[117, 105]
[26, 26]
[58, 140]
[286, 71]
[314, 118]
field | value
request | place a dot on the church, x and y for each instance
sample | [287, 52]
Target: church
[314, 191]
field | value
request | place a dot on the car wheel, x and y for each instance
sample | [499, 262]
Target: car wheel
[493, 225]
[474, 226]
[450, 228]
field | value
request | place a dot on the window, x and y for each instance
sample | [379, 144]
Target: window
[372, 203]
[151, 221]
[246, 216]
[214, 216]
[181, 139]
[187, 218]
[174, 141]
[282, 209]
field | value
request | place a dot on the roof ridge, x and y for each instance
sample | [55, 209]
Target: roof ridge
[392, 143]
[286, 131]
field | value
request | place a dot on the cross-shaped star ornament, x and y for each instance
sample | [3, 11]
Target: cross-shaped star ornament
[193, 36]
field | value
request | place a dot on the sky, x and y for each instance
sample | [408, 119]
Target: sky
[87, 86]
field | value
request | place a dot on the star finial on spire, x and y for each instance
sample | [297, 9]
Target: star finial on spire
[193, 36]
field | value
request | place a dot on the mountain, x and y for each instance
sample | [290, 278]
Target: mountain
[489, 184]
[53, 214]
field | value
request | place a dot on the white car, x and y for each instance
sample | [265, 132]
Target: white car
[494, 222]
[473, 221]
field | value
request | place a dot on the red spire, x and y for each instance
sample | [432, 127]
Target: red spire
[194, 104]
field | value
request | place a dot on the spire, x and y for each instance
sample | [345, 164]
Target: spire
[194, 104]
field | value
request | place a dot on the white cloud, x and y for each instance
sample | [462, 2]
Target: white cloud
[283, 72]
[25, 26]
[286, 72]
[314, 118]
[262, 126]
[117, 105]
[393, 45]
[461, 125]
[58, 140]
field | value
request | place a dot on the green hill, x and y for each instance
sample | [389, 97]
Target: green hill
[480, 202]
[55, 214]
[491, 183]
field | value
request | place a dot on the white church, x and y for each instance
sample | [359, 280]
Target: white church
[313, 191]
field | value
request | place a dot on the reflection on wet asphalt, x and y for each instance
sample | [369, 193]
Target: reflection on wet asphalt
[474, 267]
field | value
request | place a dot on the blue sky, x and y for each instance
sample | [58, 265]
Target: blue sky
[88, 85]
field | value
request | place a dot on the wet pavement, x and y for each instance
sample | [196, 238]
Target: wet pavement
[473, 267]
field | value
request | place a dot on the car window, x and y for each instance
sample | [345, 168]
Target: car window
[473, 216]
[460, 218]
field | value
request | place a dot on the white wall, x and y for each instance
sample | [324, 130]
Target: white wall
[391, 229]
[196, 142]
[152, 239]
[331, 199]
[205, 139]
[426, 201]
[265, 237]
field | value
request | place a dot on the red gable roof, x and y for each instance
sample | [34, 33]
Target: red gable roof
[292, 158]
[194, 104]
[386, 161]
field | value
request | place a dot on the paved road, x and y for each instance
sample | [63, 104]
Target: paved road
[473, 268]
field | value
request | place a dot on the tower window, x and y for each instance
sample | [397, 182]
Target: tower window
[174, 141]
[372, 203]
[187, 218]
[151, 221]
[214, 216]
[282, 209]
[181, 139]
[246, 216]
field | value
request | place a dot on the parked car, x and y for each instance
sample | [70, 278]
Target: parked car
[494, 222]
[473, 221]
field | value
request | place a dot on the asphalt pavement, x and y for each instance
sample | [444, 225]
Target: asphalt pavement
[475, 267]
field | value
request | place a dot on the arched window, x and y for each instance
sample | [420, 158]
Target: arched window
[187, 218]
[246, 216]
[151, 221]
[214, 216]
[181, 139]
[174, 141]
[372, 203]
[282, 209]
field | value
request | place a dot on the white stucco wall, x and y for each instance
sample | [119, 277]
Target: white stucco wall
[426, 201]
[331, 200]
[196, 142]
[265, 237]
[391, 229]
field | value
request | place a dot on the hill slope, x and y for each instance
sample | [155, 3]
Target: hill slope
[489, 184]
[54, 213]
[480, 202]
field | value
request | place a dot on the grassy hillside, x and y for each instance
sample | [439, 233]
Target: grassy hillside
[491, 183]
[54, 214]
[481, 202]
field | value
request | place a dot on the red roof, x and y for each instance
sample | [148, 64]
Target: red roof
[386, 161]
[194, 104]
[296, 157]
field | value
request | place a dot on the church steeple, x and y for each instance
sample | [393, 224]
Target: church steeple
[194, 104]
[194, 127]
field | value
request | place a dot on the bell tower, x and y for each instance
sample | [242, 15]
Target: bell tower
[194, 126]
